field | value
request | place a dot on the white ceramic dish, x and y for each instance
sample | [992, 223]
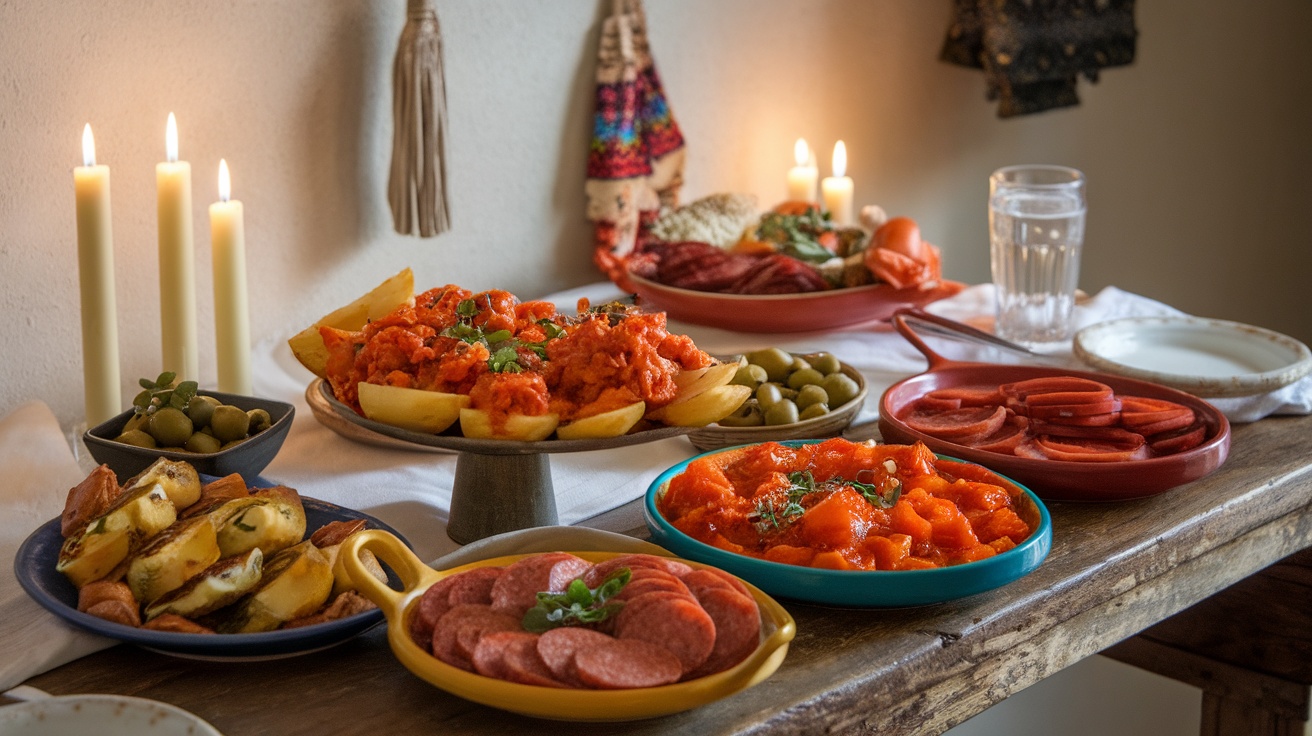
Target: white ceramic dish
[106, 715]
[1205, 357]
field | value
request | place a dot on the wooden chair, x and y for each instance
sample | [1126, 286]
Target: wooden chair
[1249, 648]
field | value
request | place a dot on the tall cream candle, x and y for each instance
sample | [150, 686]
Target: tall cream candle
[803, 176]
[177, 262]
[232, 324]
[95, 262]
[837, 189]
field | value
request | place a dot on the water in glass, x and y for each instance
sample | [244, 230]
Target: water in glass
[1036, 225]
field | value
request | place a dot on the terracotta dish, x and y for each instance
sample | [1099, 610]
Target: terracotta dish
[1055, 480]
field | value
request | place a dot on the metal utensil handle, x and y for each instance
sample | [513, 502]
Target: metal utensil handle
[944, 327]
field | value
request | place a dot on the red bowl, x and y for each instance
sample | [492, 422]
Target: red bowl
[815, 311]
[1057, 480]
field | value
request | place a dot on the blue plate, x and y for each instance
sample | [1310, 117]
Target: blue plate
[857, 588]
[34, 566]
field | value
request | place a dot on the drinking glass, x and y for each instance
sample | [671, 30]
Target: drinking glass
[1036, 229]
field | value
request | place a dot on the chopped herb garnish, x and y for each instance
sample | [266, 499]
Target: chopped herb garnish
[161, 393]
[577, 605]
[505, 360]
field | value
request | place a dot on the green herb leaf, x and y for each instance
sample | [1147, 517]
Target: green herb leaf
[505, 360]
[498, 336]
[576, 605]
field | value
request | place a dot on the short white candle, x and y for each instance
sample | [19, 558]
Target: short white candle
[837, 189]
[95, 262]
[177, 262]
[232, 324]
[802, 177]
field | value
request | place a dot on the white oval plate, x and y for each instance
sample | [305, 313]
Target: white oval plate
[107, 715]
[1208, 358]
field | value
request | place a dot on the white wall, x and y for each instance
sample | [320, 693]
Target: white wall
[1197, 155]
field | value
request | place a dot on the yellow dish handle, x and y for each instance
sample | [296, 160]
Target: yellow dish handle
[413, 572]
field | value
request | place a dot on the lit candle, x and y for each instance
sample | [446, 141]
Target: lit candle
[177, 262]
[232, 325]
[837, 189]
[95, 262]
[803, 176]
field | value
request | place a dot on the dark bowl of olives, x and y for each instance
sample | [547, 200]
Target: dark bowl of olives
[794, 396]
[218, 433]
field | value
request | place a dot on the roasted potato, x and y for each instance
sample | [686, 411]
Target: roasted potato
[410, 408]
[307, 345]
[477, 423]
[611, 423]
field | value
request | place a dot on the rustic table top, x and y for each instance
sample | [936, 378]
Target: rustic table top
[1114, 570]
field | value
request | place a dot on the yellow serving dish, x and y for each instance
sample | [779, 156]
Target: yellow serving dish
[777, 630]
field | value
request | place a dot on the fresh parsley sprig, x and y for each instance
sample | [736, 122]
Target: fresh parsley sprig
[577, 605]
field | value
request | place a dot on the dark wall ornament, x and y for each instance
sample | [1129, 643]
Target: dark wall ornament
[1034, 51]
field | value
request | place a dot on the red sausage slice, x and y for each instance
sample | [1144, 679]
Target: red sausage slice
[1169, 443]
[674, 622]
[490, 655]
[602, 570]
[1022, 390]
[737, 629]
[558, 647]
[523, 665]
[473, 586]
[1094, 451]
[627, 663]
[447, 628]
[517, 589]
[970, 395]
[979, 421]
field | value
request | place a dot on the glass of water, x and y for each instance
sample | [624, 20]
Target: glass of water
[1036, 228]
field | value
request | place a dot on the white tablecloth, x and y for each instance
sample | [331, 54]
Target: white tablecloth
[412, 490]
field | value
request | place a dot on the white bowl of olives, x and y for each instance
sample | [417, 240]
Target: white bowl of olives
[794, 396]
[218, 433]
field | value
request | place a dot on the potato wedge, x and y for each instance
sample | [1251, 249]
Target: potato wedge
[172, 557]
[705, 408]
[308, 346]
[611, 423]
[294, 583]
[136, 516]
[476, 423]
[700, 380]
[411, 408]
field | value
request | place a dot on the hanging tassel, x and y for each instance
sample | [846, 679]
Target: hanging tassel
[417, 189]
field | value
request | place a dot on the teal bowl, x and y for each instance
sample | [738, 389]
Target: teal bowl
[859, 588]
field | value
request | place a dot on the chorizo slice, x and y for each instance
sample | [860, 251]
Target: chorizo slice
[627, 663]
[732, 581]
[433, 604]
[976, 421]
[523, 665]
[471, 630]
[677, 623]
[1180, 440]
[737, 628]
[558, 647]
[489, 657]
[602, 570]
[473, 586]
[516, 590]
[447, 629]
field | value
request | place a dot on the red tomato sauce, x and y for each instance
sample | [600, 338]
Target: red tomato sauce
[798, 505]
[572, 366]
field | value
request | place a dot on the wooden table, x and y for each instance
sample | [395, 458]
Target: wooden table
[1114, 570]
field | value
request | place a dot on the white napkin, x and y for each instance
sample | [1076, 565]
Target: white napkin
[39, 470]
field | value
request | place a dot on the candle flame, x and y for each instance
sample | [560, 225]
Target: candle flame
[800, 154]
[225, 182]
[840, 159]
[171, 139]
[88, 147]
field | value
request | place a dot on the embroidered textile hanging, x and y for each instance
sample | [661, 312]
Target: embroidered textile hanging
[1033, 51]
[635, 161]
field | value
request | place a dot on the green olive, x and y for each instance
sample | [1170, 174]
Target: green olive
[259, 420]
[200, 409]
[840, 387]
[768, 394]
[809, 395]
[203, 443]
[805, 377]
[749, 375]
[137, 437]
[136, 421]
[229, 423]
[170, 427]
[232, 444]
[826, 363]
[747, 415]
[813, 411]
[776, 362]
[800, 363]
[783, 412]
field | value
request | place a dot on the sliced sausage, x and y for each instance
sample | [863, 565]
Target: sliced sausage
[474, 586]
[557, 648]
[432, 605]
[737, 628]
[517, 589]
[469, 631]
[627, 663]
[602, 570]
[447, 629]
[523, 665]
[672, 621]
[489, 657]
